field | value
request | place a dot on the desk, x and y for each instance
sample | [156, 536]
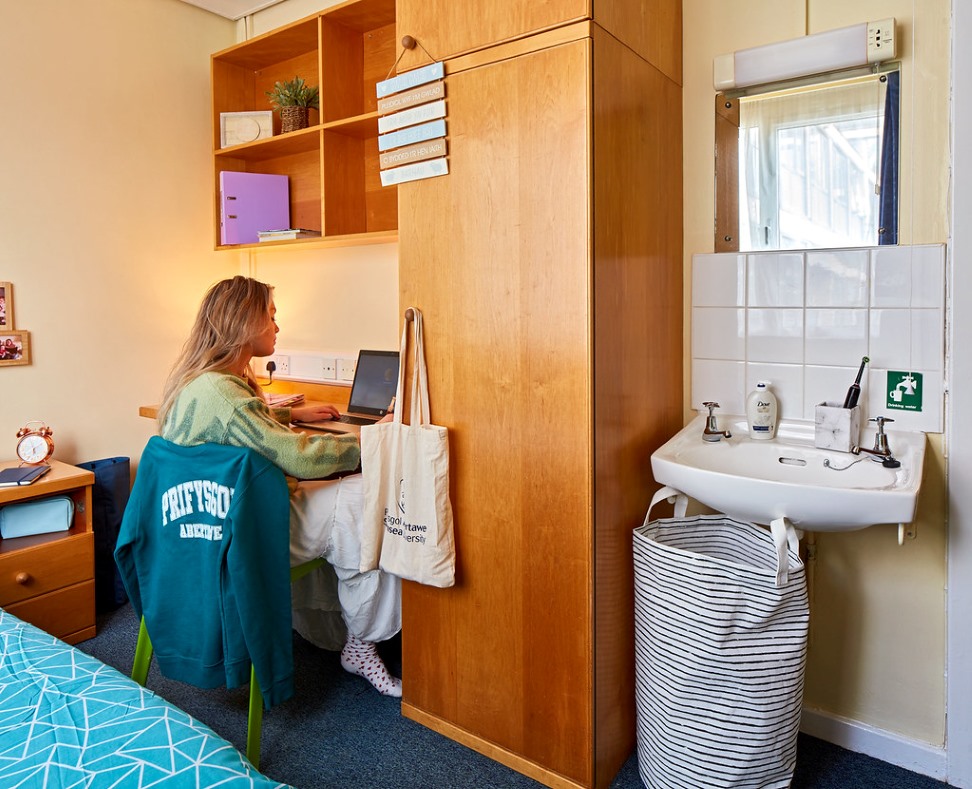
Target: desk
[48, 579]
[313, 394]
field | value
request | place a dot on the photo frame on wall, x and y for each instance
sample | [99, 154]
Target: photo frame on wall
[14, 348]
[6, 307]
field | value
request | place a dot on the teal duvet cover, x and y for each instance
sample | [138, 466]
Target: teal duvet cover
[68, 720]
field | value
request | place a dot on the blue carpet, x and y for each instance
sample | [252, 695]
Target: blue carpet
[338, 733]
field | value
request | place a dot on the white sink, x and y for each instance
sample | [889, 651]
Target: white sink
[787, 477]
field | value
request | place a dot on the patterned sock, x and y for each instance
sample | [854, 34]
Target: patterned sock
[362, 658]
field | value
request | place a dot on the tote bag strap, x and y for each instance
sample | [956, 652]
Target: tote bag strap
[420, 375]
[400, 389]
[420, 414]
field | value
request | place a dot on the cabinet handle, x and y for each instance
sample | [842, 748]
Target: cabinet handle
[22, 578]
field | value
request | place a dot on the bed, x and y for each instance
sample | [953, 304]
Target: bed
[67, 719]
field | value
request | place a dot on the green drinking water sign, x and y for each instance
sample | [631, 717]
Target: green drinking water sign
[904, 391]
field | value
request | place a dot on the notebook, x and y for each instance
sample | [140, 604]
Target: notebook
[372, 392]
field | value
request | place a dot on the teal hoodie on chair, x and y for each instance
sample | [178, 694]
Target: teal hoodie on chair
[204, 553]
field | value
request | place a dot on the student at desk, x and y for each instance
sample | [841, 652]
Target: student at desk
[212, 396]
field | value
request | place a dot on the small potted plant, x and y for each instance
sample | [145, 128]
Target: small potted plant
[293, 98]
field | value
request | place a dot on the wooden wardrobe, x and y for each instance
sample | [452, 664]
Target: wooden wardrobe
[548, 266]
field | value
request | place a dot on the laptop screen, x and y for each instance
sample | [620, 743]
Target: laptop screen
[375, 382]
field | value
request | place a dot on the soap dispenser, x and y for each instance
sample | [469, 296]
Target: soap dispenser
[761, 412]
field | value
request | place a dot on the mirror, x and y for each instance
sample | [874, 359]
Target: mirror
[808, 166]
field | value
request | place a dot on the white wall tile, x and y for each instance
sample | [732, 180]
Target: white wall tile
[723, 382]
[786, 381]
[928, 276]
[719, 280]
[766, 315]
[835, 336]
[928, 340]
[774, 336]
[827, 385]
[890, 338]
[837, 278]
[776, 280]
[891, 277]
[719, 333]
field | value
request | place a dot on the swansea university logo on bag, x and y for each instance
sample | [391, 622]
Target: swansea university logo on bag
[398, 525]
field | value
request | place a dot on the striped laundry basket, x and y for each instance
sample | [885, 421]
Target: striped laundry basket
[720, 652]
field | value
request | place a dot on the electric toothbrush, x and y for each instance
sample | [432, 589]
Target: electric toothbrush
[854, 392]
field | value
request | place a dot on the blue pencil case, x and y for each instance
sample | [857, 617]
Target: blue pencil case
[41, 516]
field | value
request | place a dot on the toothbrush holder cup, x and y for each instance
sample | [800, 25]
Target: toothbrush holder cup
[836, 427]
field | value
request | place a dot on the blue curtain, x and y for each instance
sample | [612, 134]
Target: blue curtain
[888, 220]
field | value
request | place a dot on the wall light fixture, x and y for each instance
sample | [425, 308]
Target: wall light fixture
[831, 50]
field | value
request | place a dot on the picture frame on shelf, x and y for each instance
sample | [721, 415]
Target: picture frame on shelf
[6, 307]
[237, 128]
[14, 348]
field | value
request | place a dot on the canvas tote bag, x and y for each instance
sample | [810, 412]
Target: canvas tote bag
[405, 471]
[721, 619]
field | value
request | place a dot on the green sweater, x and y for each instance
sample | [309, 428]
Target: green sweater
[217, 408]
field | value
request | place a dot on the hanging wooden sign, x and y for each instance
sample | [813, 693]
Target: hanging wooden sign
[410, 117]
[412, 126]
[410, 79]
[420, 95]
[414, 172]
[409, 154]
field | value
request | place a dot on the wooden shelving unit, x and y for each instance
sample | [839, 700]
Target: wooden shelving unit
[333, 164]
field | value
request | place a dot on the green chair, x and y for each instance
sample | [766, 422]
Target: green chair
[254, 725]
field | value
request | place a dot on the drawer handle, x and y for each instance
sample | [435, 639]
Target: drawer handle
[22, 578]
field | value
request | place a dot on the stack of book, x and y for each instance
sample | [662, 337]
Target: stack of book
[21, 475]
[287, 234]
[281, 400]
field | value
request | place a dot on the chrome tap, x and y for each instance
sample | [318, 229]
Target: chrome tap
[882, 450]
[712, 431]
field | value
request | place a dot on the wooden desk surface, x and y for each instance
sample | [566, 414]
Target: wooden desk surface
[313, 394]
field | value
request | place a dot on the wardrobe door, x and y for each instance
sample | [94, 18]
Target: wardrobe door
[497, 256]
[446, 28]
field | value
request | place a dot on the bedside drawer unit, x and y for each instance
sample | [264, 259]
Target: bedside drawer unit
[44, 568]
[48, 579]
[68, 612]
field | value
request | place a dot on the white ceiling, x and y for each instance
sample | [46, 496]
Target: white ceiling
[233, 9]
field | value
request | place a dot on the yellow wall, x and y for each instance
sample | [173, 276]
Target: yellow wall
[877, 651]
[105, 209]
[106, 226]
[340, 299]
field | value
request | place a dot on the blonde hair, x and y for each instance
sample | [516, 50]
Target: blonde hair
[233, 312]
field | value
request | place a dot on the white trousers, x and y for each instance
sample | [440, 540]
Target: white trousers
[325, 520]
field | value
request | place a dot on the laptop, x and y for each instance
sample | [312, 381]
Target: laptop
[372, 392]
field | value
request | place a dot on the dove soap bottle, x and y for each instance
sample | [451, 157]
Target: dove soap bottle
[761, 412]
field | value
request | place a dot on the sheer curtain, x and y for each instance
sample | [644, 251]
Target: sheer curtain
[810, 164]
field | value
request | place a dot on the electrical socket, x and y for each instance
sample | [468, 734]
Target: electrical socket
[329, 369]
[283, 364]
[345, 369]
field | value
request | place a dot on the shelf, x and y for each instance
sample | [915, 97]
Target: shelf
[332, 165]
[302, 141]
[324, 242]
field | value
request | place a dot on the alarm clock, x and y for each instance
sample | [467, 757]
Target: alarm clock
[35, 446]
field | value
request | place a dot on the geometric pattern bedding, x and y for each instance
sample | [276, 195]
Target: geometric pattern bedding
[68, 720]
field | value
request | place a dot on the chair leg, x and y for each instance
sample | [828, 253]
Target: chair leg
[254, 723]
[143, 655]
[299, 571]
